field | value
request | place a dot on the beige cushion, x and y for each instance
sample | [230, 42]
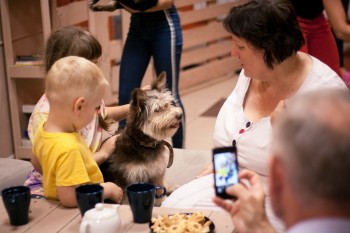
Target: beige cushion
[13, 172]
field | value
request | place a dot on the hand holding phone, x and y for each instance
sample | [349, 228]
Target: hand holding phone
[225, 170]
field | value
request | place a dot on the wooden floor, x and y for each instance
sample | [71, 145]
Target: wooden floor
[214, 109]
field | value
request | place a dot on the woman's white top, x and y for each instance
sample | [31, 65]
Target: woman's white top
[253, 140]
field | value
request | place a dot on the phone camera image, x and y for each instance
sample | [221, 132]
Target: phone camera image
[225, 170]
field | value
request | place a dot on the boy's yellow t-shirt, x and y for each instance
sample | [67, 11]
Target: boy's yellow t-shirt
[92, 133]
[65, 161]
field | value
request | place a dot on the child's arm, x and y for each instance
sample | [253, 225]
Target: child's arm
[117, 113]
[66, 195]
[105, 151]
[36, 164]
[112, 191]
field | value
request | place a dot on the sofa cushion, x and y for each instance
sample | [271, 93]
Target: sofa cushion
[13, 172]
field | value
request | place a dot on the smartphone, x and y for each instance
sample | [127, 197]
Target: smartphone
[225, 170]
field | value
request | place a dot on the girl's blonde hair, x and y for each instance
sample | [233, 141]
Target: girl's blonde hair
[72, 77]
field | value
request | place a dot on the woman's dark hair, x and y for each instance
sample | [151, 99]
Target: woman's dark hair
[270, 25]
[71, 41]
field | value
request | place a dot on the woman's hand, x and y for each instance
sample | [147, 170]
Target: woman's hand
[248, 211]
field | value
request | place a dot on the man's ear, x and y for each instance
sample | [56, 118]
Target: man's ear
[79, 103]
[277, 184]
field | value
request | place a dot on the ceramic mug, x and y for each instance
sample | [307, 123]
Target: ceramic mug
[141, 197]
[17, 201]
[88, 195]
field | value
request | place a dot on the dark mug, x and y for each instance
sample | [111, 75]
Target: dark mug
[88, 195]
[141, 197]
[17, 201]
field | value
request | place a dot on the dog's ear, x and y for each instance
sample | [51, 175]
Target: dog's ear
[159, 83]
[138, 97]
[137, 107]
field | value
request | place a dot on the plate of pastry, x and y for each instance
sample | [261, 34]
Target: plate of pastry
[182, 223]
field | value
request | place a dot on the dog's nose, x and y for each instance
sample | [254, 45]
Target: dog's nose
[178, 116]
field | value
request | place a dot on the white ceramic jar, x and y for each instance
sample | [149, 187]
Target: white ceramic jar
[101, 219]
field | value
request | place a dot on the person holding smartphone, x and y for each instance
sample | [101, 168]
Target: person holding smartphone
[306, 174]
[273, 71]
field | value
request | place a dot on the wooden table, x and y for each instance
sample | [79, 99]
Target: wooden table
[49, 216]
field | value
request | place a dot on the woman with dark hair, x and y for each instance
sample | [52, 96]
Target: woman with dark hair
[266, 39]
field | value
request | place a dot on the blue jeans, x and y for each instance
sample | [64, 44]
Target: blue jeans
[158, 35]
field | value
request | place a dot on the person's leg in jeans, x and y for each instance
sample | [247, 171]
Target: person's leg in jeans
[167, 49]
[162, 63]
[135, 58]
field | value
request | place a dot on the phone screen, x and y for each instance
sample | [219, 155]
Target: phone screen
[225, 170]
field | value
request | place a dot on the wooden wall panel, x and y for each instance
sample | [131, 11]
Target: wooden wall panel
[206, 44]
[205, 53]
[26, 27]
[208, 13]
[200, 35]
[72, 13]
[207, 72]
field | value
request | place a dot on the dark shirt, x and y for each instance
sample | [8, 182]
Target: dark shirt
[142, 5]
[308, 9]
[345, 5]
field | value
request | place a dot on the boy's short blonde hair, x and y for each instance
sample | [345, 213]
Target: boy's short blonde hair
[72, 77]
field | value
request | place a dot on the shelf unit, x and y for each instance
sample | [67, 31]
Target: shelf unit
[26, 26]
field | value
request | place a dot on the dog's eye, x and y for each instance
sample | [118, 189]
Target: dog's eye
[173, 103]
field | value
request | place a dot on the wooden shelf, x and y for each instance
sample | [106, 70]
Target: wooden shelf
[26, 26]
[26, 72]
[23, 152]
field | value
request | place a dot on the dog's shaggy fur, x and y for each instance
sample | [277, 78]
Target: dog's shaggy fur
[141, 153]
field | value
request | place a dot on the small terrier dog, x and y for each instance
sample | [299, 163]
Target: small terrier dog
[141, 152]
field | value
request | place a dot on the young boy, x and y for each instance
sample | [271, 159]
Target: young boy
[74, 89]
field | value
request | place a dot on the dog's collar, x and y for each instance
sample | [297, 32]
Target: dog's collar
[167, 144]
[144, 140]
[150, 144]
[153, 143]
